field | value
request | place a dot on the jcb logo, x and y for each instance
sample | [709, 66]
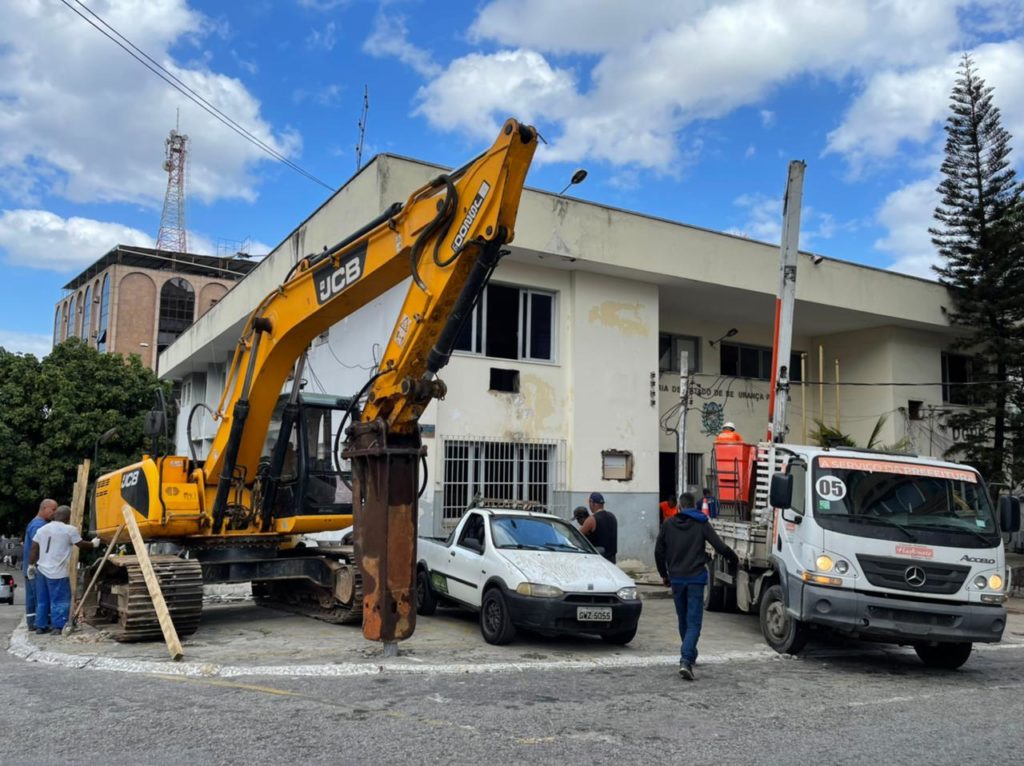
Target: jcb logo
[130, 479]
[330, 280]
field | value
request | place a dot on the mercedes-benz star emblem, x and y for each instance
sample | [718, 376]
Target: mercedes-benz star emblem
[915, 577]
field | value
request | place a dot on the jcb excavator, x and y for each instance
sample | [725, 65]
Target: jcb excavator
[236, 515]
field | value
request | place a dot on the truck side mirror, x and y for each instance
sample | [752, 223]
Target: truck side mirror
[1009, 514]
[154, 424]
[781, 492]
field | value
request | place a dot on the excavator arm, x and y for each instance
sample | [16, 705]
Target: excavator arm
[447, 237]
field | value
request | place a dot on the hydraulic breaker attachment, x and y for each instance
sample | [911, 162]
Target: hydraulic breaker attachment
[385, 489]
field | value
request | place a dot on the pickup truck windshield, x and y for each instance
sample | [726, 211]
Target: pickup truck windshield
[903, 501]
[535, 533]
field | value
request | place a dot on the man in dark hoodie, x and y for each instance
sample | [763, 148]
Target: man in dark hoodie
[682, 561]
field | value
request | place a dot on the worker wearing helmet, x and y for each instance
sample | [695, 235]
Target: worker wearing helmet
[728, 434]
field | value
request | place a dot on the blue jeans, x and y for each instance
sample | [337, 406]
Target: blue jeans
[53, 601]
[689, 600]
[30, 603]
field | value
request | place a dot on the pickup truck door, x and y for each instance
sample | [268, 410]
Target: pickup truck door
[464, 564]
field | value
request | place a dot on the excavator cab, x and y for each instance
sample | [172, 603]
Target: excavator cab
[310, 483]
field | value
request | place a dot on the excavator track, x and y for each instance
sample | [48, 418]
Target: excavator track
[121, 606]
[342, 605]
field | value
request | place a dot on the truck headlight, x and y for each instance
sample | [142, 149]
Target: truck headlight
[980, 582]
[995, 582]
[538, 590]
[823, 563]
[842, 567]
[627, 594]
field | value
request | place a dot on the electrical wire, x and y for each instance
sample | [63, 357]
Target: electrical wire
[171, 79]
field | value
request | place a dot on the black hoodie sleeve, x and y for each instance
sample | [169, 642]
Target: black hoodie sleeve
[716, 542]
[659, 552]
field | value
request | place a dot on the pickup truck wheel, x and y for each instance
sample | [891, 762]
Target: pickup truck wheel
[948, 656]
[782, 633]
[495, 621]
[426, 601]
[620, 637]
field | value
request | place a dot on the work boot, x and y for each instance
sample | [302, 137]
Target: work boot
[686, 671]
[42, 631]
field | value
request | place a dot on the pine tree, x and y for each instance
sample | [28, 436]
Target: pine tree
[980, 236]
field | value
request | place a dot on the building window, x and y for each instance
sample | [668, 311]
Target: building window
[957, 373]
[87, 315]
[743, 361]
[528, 471]
[56, 326]
[671, 346]
[511, 323]
[104, 318]
[69, 330]
[177, 311]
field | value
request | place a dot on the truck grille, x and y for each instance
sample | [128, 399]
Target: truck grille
[892, 573]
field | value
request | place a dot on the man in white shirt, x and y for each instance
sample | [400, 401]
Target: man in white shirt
[48, 564]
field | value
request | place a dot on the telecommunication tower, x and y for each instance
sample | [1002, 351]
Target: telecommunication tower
[173, 237]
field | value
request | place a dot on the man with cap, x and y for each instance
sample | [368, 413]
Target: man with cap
[46, 510]
[602, 528]
[682, 562]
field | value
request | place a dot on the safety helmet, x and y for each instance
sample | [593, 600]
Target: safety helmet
[729, 426]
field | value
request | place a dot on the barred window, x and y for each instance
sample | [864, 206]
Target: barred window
[528, 471]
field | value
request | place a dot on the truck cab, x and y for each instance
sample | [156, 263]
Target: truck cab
[885, 547]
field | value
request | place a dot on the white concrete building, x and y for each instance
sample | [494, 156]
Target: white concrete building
[560, 384]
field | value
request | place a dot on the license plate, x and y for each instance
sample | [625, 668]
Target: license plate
[594, 613]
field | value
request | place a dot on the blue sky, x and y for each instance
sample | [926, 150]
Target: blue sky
[684, 109]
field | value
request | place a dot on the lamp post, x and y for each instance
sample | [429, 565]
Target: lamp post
[577, 178]
[156, 357]
[729, 333]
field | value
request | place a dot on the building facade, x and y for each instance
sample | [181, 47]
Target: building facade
[136, 300]
[566, 378]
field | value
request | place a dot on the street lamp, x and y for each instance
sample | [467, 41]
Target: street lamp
[156, 357]
[577, 178]
[729, 333]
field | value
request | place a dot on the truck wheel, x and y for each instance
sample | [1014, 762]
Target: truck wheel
[782, 633]
[495, 621]
[620, 637]
[947, 656]
[714, 592]
[426, 601]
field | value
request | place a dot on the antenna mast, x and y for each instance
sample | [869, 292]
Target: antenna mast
[173, 237]
[362, 127]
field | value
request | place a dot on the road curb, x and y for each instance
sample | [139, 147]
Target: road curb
[21, 646]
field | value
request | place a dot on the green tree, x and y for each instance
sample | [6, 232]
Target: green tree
[51, 413]
[979, 234]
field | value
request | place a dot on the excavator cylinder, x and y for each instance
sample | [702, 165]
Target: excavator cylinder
[385, 483]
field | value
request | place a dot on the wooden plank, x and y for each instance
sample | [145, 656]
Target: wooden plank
[153, 585]
[78, 496]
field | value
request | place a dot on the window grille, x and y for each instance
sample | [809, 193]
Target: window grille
[528, 471]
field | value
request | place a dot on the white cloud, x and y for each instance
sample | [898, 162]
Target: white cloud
[324, 39]
[767, 118]
[322, 5]
[906, 214]
[390, 38]
[750, 152]
[910, 106]
[81, 119]
[40, 239]
[37, 344]
[662, 65]
[764, 221]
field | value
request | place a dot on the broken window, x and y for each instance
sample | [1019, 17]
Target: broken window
[511, 323]
[957, 370]
[740, 360]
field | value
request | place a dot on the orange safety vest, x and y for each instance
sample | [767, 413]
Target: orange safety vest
[667, 511]
[728, 436]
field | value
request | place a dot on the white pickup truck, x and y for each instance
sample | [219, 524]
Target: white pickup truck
[529, 570]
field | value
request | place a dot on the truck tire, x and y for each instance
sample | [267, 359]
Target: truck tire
[947, 656]
[426, 601]
[715, 595]
[781, 632]
[495, 620]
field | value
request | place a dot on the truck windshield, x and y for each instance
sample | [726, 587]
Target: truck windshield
[903, 501]
[534, 533]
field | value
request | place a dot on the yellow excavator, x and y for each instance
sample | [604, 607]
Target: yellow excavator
[277, 466]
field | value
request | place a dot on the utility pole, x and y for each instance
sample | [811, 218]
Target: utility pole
[785, 301]
[684, 406]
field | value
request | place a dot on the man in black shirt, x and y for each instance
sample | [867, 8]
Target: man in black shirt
[602, 529]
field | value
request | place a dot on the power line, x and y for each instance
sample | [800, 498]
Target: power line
[156, 68]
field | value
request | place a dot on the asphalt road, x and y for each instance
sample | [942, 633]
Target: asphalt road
[839, 705]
